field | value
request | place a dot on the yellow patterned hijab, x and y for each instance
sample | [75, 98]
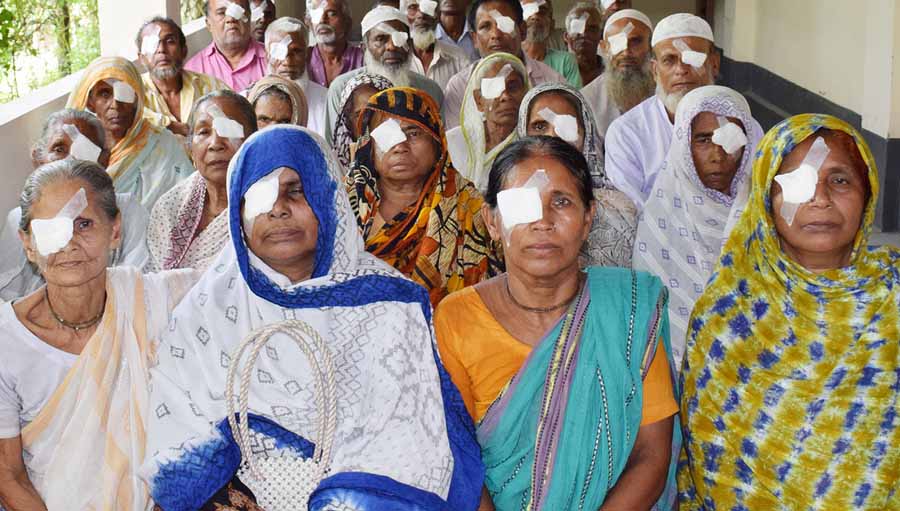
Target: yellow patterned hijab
[791, 380]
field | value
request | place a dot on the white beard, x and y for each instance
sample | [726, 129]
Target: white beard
[398, 75]
[422, 39]
[670, 100]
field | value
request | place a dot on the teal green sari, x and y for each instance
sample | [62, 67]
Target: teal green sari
[560, 435]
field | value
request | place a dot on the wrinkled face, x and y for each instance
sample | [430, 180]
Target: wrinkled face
[168, 59]
[334, 25]
[410, 161]
[259, 27]
[59, 144]
[638, 48]
[454, 7]
[584, 46]
[226, 31]
[715, 168]
[421, 21]
[488, 36]
[561, 105]
[293, 65]
[211, 152]
[358, 101]
[538, 26]
[550, 245]
[675, 76]
[285, 238]
[272, 108]
[95, 235]
[827, 225]
[503, 110]
[117, 117]
[382, 47]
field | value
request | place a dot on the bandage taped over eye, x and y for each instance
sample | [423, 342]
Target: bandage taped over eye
[578, 25]
[504, 23]
[619, 42]
[279, 50]
[315, 15]
[397, 37]
[225, 126]
[690, 57]
[799, 185]
[122, 92]
[607, 3]
[492, 88]
[81, 147]
[729, 136]
[532, 8]
[150, 42]
[235, 11]
[387, 135]
[51, 235]
[522, 205]
[260, 198]
[565, 125]
[259, 12]
[429, 7]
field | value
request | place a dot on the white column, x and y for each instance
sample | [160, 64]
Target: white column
[120, 20]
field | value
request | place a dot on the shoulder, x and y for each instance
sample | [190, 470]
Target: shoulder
[203, 82]
[463, 74]
[452, 51]
[627, 123]
[257, 48]
[166, 206]
[542, 73]
[458, 306]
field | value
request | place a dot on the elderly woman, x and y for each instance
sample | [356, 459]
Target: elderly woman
[189, 225]
[402, 438]
[278, 101]
[415, 211]
[698, 195]
[566, 372]
[487, 121]
[144, 160]
[556, 109]
[78, 134]
[74, 378]
[354, 99]
[790, 374]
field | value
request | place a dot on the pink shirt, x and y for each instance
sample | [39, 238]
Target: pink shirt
[251, 68]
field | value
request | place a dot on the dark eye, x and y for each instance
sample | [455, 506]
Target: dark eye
[83, 224]
[562, 202]
[59, 149]
[540, 126]
[296, 191]
[203, 132]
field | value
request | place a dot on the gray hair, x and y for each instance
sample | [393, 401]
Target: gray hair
[66, 116]
[286, 25]
[345, 7]
[244, 106]
[69, 169]
[164, 21]
[582, 6]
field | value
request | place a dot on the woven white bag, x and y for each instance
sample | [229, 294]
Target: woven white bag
[284, 483]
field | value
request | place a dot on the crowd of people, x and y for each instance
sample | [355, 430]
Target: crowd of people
[552, 270]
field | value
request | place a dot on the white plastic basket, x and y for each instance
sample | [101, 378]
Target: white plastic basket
[284, 483]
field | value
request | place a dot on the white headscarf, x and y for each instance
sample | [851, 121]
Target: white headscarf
[684, 224]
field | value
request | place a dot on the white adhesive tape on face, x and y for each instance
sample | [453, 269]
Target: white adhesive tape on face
[522, 205]
[532, 8]
[492, 88]
[565, 125]
[607, 3]
[429, 7]
[388, 134]
[315, 15]
[235, 11]
[578, 25]
[504, 23]
[150, 42]
[619, 42]
[122, 92]
[259, 12]
[729, 136]
[799, 186]
[690, 57]
[225, 126]
[279, 50]
[53, 234]
[397, 37]
[260, 198]
[81, 147]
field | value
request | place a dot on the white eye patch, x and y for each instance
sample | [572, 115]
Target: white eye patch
[522, 205]
[690, 57]
[260, 198]
[235, 11]
[492, 88]
[530, 9]
[150, 42]
[578, 25]
[397, 37]
[81, 147]
[279, 50]
[729, 136]
[504, 23]
[259, 12]
[315, 15]
[225, 126]
[799, 185]
[51, 235]
[565, 125]
[607, 3]
[388, 134]
[429, 7]
[619, 42]
[122, 92]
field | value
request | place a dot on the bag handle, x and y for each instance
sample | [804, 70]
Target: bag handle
[309, 341]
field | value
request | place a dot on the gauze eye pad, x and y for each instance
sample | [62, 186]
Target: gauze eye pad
[235, 11]
[504, 23]
[53, 234]
[565, 125]
[619, 42]
[225, 127]
[259, 12]
[279, 50]
[81, 147]
[150, 42]
[388, 134]
[530, 9]
[799, 186]
[260, 198]
[397, 37]
[522, 205]
[429, 7]
[690, 57]
[492, 88]
[729, 136]
[578, 25]
[122, 92]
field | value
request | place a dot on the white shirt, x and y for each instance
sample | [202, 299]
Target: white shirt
[446, 62]
[605, 110]
[316, 100]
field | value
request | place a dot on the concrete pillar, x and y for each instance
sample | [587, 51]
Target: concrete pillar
[119, 22]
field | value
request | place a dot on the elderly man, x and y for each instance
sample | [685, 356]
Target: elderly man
[386, 35]
[434, 59]
[684, 58]
[262, 14]
[491, 38]
[233, 56]
[169, 90]
[538, 15]
[584, 30]
[454, 27]
[627, 79]
[287, 40]
[332, 55]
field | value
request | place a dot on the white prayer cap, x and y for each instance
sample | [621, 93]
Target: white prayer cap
[682, 25]
[379, 15]
[632, 14]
